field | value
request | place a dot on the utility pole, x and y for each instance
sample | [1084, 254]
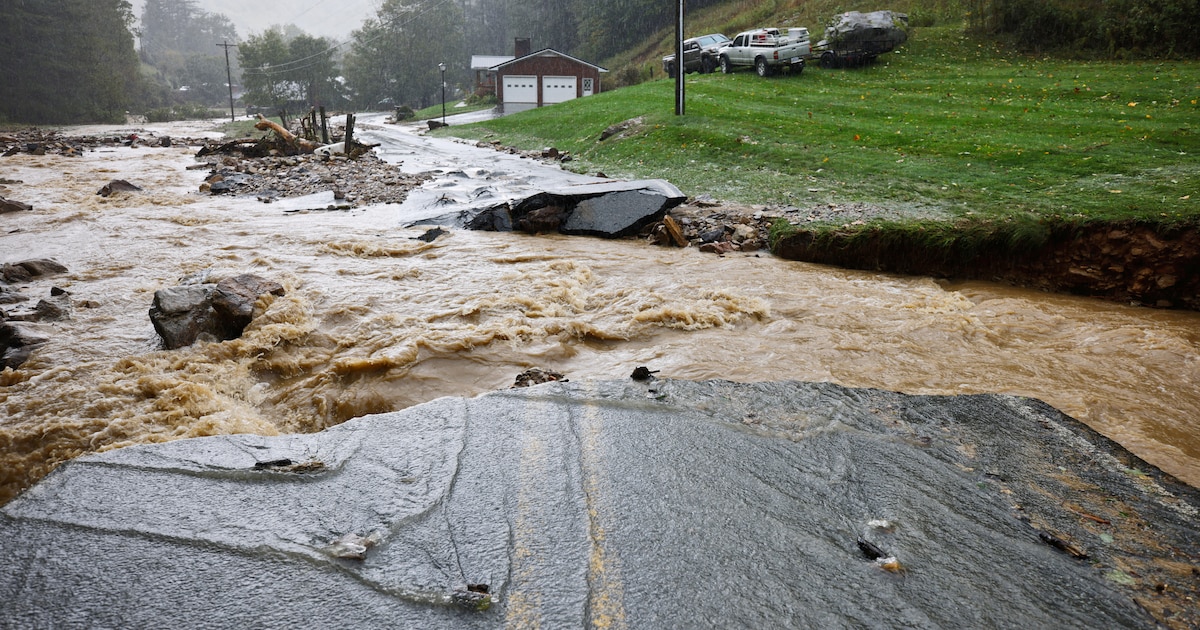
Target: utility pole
[679, 71]
[229, 76]
[442, 67]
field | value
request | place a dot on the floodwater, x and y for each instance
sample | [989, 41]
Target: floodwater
[374, 320]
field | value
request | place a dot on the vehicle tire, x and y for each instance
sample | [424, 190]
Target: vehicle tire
[761, 67]
[726, 68]
[828, 60]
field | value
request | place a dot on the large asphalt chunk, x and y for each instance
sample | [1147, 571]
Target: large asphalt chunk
[654, 504]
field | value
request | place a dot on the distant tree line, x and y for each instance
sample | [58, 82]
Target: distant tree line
[179, 47]
[66, 61]
[1121, 28]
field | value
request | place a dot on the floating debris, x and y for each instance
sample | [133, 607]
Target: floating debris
[882, 525]
[475, 597]
[537, 376]
[1062, 545]
[431, 235]
[870, 550]
[643, 373]
[289, 466]
[351, 546]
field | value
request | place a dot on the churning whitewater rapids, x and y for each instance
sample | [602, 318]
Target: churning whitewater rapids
[376, 321]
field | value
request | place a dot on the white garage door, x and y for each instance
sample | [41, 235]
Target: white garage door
[520, 89]
[558, 89]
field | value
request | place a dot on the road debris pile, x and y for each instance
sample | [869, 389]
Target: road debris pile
[362, 181]
[35, 141]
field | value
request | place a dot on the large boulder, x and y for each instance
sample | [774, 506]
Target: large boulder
[648, 504]
[233, 299]
[183, 314]
[873, 32]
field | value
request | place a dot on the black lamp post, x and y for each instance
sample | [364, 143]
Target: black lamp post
[442, 67]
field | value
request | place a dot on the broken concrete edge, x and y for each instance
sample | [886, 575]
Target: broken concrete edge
[559, 210]
[1044, 484]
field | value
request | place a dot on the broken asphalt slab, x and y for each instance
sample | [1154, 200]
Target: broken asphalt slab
[653, 504]
[608, 209]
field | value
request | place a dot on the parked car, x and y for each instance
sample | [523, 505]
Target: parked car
[700, 54]
[767, 50]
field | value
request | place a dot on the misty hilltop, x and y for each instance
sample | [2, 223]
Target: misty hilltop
[321, 18]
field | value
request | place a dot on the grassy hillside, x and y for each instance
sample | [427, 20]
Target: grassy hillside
[946, 123]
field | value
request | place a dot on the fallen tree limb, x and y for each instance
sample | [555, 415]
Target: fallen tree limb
[301, 145]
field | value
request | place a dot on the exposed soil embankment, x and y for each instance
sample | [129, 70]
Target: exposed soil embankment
[1128, 262]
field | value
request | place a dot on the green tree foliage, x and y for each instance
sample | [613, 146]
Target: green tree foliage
[1151, 28]
[395, 57]
[264, 77]
[312, 69]
[277, 69]
[66, 61]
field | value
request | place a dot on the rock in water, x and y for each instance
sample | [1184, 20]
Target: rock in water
[11, 205]
[27, 270]
[234, 300]
[660, 504]
[116, 186]
[17, 342]
[181, 314]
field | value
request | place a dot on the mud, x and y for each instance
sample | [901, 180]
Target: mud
[1144, 265]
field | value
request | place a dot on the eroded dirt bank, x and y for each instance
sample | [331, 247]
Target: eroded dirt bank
[1124, 262]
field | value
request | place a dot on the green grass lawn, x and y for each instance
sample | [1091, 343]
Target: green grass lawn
[946, 123]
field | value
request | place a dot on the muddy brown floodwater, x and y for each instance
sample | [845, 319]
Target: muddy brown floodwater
[376, 321]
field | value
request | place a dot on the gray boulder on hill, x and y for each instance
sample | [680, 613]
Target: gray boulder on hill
[652, 504]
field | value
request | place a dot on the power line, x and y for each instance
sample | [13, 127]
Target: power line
[229, 77]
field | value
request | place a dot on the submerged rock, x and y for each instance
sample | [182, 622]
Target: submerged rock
[189, 312]
[116, 186]
[12, 205]
[17, 343]
[27, 270]
[233, 299]
[659, 504]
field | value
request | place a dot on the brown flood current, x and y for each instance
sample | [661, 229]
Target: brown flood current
[375, 321]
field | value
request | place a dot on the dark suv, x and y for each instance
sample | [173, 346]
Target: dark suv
[699, 54]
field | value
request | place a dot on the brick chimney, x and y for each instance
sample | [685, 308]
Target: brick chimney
[521, 47]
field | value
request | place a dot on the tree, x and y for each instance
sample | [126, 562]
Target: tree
[396, 56]
[66, 61]
[313, 69]
[278, 69]
[264, 73]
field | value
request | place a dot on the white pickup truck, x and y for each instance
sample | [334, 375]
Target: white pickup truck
[767, 50]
